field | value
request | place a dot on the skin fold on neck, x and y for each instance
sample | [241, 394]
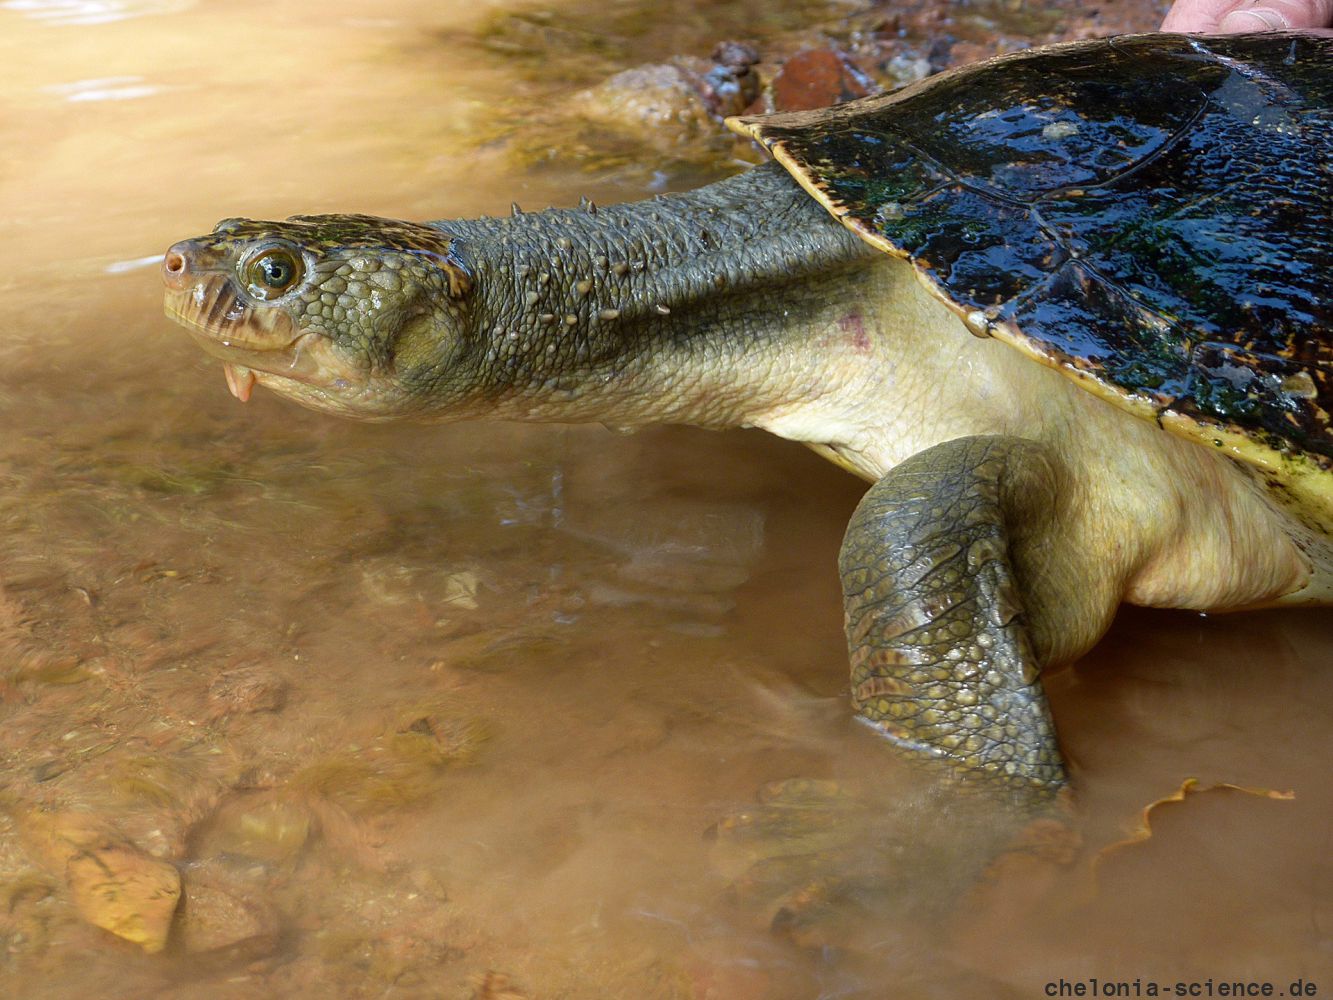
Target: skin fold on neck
[681, 309]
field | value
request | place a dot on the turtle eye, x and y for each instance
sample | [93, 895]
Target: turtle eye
[272, 273]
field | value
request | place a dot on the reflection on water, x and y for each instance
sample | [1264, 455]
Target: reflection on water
[111, 88]
[445, 711]
[85, 12]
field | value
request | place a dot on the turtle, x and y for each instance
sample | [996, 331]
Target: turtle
[1066, 310]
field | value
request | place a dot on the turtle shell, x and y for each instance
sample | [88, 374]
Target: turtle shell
[1151, 215]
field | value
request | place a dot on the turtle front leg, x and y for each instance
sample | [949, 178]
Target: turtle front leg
[966, 569]
[944, 623]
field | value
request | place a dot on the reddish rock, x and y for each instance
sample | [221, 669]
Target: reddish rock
[816, 78]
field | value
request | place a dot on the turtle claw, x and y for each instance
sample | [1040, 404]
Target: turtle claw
[812, 861]
[826, 866]
[792, 818]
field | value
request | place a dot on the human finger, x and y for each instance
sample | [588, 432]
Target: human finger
[1201, 16]
[1231, 16]
[1277, 15]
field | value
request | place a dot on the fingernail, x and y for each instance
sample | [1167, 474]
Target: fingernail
[1252, 19]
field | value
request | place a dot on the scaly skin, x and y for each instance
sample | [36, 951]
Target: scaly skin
[627, 315]
[1030, 509]
[941, 656]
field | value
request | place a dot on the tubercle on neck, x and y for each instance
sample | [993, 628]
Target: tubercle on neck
[633, 314]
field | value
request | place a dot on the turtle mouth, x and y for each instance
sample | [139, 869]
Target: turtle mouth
[254, 343]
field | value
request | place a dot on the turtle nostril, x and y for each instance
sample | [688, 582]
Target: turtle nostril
[176, 266]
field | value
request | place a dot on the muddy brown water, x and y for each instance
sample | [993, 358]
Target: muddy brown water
[444, 711]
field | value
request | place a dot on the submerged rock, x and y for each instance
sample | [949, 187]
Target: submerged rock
[213, 920]
[265, 828]
[246, 690]
[113, 884]
[126, 892]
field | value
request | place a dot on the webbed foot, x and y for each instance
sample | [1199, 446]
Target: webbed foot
[826, 865]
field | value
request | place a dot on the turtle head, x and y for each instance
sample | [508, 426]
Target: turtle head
[345, 313]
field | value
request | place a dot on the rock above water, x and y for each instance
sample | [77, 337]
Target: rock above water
[816, 78]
